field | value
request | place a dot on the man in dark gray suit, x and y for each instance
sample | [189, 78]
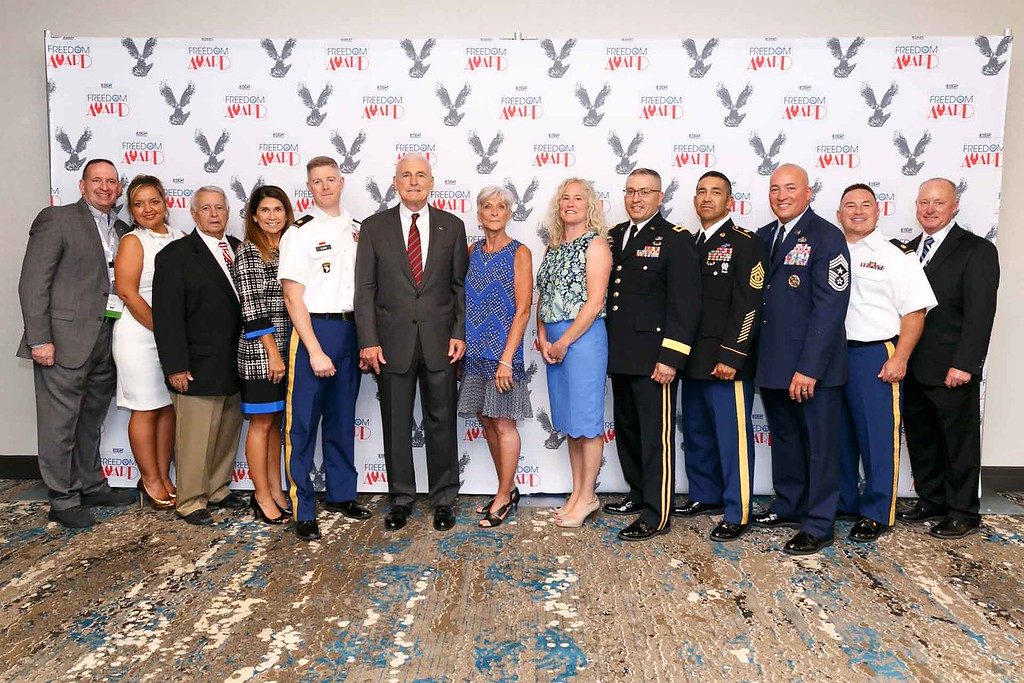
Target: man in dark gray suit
[69, 306]
[410, 318]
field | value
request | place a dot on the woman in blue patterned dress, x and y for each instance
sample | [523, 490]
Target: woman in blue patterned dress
[262, 346]
[573, 283]
[499, 290]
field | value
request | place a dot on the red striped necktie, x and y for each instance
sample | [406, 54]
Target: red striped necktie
[226, 254]
[415, 252]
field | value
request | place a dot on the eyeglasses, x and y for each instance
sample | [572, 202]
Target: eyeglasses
[643, 192]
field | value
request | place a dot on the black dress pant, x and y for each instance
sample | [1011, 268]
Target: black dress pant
[943, 428]
[644, 413]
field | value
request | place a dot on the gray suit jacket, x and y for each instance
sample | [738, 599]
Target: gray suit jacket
[64, 284]
[391, 312]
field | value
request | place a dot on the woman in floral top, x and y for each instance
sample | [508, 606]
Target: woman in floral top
[573, 282]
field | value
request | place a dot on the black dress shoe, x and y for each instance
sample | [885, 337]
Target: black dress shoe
[397, 517]
[624, 507]
[867, 530]
[307, 530]
[444, 517]
[772, 520]
[950, 528]
[200, 517]
[641, 531]
[727, 531]
[921, 512]
[692, 508]
[72, 518]
[115, 498]
[805, 544]
[350, 509]
[232, 501]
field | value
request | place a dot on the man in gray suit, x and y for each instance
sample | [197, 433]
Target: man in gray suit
[411, 322]
[69, 306]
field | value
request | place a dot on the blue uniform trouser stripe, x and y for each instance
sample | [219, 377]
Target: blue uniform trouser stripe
[330, 403]
[712, 445]
[870, 420]
[805, 464]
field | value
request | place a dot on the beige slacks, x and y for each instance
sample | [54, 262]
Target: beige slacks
[206, 435]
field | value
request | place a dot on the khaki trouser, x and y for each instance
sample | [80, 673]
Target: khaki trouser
[206, 435]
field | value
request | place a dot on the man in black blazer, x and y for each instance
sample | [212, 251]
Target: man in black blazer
[942, 388]
[196, 321]
[411, 322]
[718, 386]
[69, 307]
[653, 308]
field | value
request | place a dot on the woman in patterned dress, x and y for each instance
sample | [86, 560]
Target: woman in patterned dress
[499, 290]
[140, 380]
[262, 346]
[573, 283]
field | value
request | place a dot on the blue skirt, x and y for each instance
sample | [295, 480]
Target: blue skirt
[576, 385]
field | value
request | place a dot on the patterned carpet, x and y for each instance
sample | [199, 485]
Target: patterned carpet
[142, 596]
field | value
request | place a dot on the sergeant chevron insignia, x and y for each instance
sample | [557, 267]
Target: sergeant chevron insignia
[757, 276]
[839, 273]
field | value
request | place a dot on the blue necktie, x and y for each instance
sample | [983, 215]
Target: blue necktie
[928, 242]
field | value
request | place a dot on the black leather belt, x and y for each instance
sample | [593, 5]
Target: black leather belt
[854, 344]
[347, 315]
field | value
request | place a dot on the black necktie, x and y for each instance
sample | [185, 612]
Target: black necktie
[777, 245]
[701, 238]
[633, 230]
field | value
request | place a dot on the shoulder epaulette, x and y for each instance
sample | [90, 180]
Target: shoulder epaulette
[902, 246]
[357, 222]
[302, 221]
[743, 231]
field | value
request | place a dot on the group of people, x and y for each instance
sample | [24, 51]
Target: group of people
[845, 334]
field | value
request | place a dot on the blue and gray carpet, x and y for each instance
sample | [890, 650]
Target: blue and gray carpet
[142, 596]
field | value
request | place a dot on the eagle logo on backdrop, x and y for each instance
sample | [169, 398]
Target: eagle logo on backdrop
[486, 164]
[593, 117]
[463, 461]
[418, 438]
[124, 190]
[280, 69]
[75, 158]
[142, 67]
[700, 66]
[418, 68]
[815, 189]
[212, 164]
[767, 166]
[178, 116]
[554, 440]
[558, 65]
[316, 116]
[667, 199]
[844, 68]
[349, 163]
[544, 234]
[453, 117]
[51, 88]
[878, 116]
[913, 166]
[520, 205]
[383, 200]
[625, 165]
[243, 196]
[993, 66]
[734, 118]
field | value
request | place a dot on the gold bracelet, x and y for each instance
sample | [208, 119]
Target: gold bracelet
[507, 365]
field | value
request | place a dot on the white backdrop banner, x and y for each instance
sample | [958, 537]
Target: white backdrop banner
[890, 112]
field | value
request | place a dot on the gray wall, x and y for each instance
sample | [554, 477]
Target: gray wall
[25, 189]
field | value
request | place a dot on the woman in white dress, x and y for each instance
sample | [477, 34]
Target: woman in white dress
[140, 380]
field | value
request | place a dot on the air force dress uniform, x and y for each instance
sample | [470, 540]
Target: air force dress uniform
[717, 432]
[652, 315]
[807, 290]
[888, 282]
[319, 252]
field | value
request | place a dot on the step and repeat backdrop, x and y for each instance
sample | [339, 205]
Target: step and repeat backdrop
[526, 114]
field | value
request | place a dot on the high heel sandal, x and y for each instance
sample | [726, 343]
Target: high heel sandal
[495, 519]
[155, 503]
[288, 511]
[576, 522]
[258, 514]
[514, 497]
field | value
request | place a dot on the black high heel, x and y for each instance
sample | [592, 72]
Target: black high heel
[288, 511]
[258, 514]
[514, 496]
[501, 514]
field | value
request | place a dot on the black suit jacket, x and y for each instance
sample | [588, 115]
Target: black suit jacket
[653, 298]
[196, 316]
[733, 266]
[964, 274]
[391, 311]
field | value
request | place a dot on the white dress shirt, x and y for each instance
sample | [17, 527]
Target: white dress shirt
[709, 231]
[938, 237]
[214, 245]
[640, 228]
